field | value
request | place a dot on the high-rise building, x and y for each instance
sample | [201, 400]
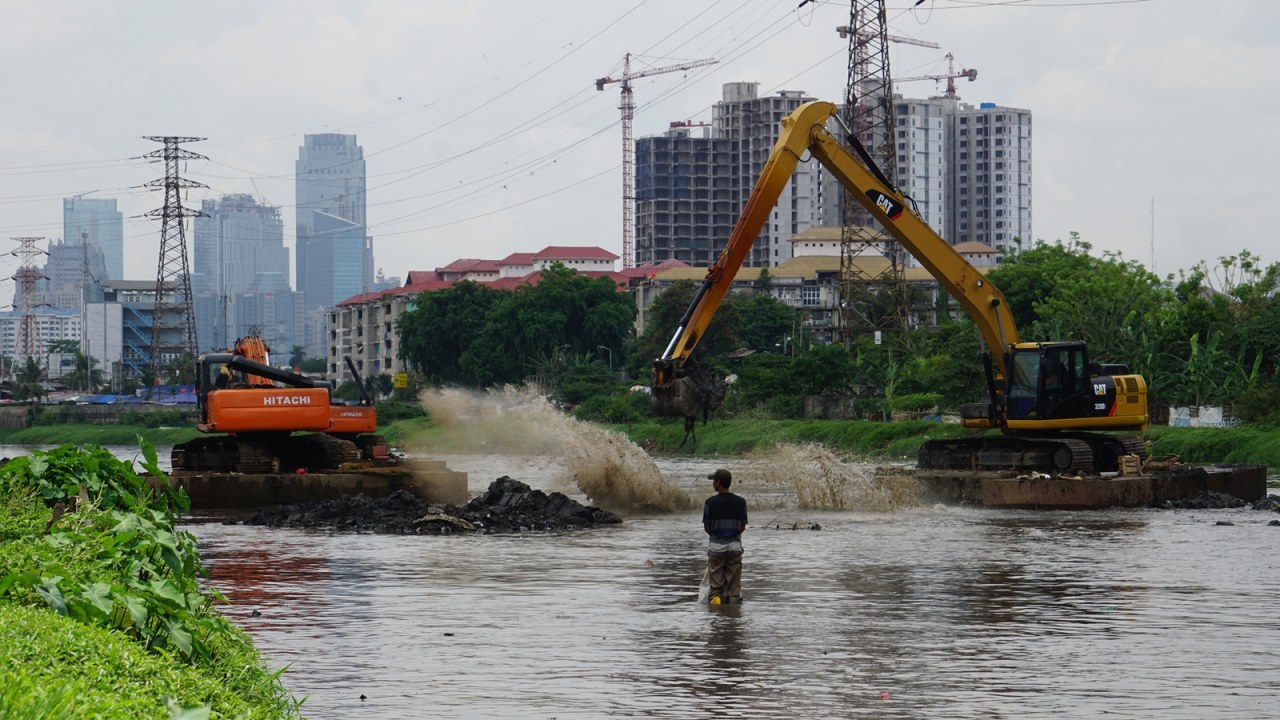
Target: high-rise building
[966, 169]
[920, 141]
[72, 276]
[684, 202]
[236, 243]
[989, 182]
[96, 221]
[335, 253]
[690, 188]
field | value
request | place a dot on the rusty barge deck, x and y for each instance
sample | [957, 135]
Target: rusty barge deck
[1010, 489]
[430, 480]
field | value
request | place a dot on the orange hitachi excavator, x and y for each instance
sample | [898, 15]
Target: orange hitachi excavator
[1048, 399]
[252, 411]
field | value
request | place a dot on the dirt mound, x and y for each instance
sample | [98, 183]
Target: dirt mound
[1270, 502]
[508, 506]
[1205, 500]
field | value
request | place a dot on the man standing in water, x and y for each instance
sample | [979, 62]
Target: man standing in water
[724, 517]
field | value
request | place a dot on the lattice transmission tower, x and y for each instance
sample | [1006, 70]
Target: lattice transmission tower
[873, 293]
[28, 340]
[173, 322]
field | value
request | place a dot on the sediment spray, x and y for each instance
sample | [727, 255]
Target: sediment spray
[605, 465]
[812, 477]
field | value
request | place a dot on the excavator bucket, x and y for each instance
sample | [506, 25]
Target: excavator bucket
[693, 389]
[678, 398]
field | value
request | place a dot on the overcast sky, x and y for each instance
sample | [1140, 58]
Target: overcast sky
[484, 134]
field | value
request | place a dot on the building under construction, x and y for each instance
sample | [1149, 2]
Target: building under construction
[692, 182]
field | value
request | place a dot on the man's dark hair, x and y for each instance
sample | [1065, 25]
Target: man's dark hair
[722, 476]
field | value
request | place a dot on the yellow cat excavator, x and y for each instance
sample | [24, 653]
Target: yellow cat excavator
[1049, 400]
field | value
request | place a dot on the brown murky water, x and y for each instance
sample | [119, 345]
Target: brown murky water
[892, 609]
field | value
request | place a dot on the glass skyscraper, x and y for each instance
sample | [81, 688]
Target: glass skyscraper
[98, 222]
[334, 251]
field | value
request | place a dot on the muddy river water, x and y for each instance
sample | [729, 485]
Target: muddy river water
[894, 608]
[891, 609]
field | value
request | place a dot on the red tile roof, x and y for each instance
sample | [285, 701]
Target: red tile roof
[418, 276]
[424, 280]
[469, 265]
[518, 259]
[566, 252]
[650, 269]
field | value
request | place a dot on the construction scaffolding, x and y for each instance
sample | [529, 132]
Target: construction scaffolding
[173, 325]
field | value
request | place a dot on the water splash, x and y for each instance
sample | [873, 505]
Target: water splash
[812, 477]
[605, 465]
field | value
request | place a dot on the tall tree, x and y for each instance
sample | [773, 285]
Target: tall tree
[442, 325]
[766, 322]
[30, 382]
[564, 308]
[666, 312]
[85, 375]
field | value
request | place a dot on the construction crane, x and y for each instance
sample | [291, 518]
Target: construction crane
[628, 108]
[844, 31]
[950, 76]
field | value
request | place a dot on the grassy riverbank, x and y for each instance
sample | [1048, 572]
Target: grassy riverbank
[101, 609]
[78, 434]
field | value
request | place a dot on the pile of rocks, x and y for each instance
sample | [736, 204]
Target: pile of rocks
[508, 506]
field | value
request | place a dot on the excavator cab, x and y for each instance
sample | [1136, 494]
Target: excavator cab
[1047, 381]
[1054, 386]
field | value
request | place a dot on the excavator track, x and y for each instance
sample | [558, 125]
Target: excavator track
[271, 454]
[1047, 453]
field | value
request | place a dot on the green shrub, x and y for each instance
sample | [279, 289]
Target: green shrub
[91, 548]
[390, 411]
[613, 409]
[916, 402]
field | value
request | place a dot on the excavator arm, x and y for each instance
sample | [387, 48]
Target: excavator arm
[805, 130]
